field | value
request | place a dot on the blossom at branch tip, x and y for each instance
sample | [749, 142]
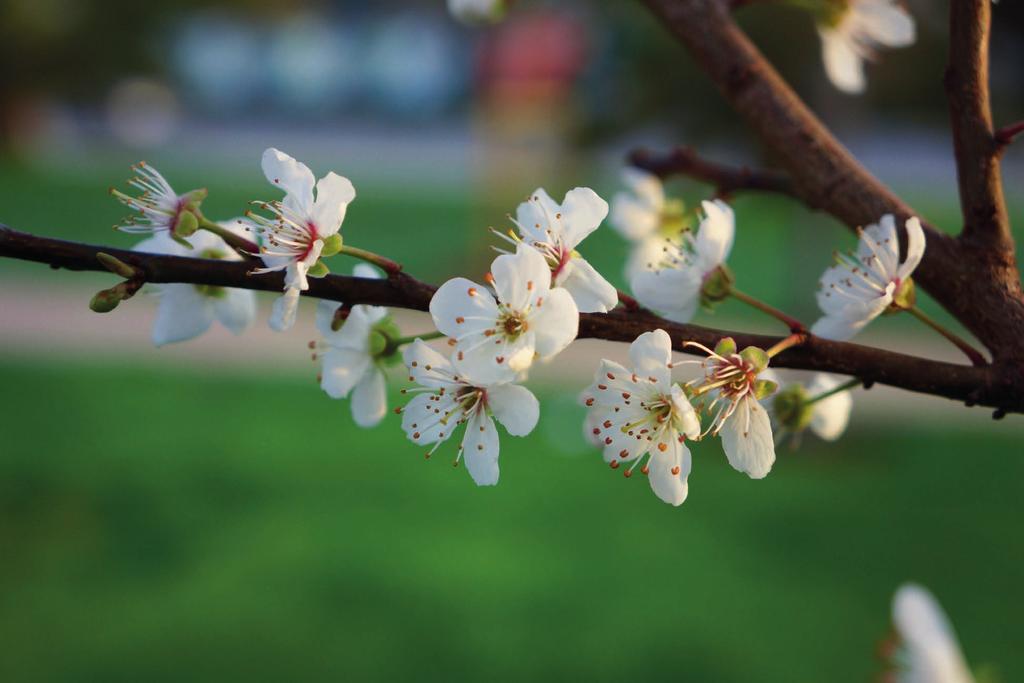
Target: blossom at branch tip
[354, 351]
[159, 208]
[689, 270]
[862, 286]
[644, 216]
[852, 31]
[639, 411]
[735, 380]
[927, 650]
[793, 413]
[300, 228]
[475, 12]
[555, 231]
[186, 311]
[447, 399]
[495, 339]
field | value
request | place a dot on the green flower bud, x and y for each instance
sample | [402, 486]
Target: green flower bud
[104, 301]
[318, 269]
[716, 286]
[755, 357]
[117, 266]
[726, 347]
[332, 245]
[792, 409]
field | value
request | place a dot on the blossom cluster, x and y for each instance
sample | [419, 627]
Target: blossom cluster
[526, 311]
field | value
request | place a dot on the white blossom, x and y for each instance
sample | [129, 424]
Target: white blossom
[741, 421]
[928, 651]
[555, 231]
[854, 31]
[862, 286]
[639, 411]
[674, 285]
[353, 352]
[185, 311]
[477, 11]
[293, 237]
[637, 213]
[160, 209]
[496, 339]
[448, 399]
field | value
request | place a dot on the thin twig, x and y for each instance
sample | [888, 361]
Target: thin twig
[726, 179]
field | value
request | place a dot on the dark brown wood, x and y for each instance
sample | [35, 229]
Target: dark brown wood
[981, 386]
[725, 179]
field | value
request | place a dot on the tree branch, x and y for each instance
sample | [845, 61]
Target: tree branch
[972, 385]
[1006, 134]
[725, 179]
[979, 287]
[974, 143]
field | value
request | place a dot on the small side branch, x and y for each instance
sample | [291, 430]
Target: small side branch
[975, 144]
[725, 179]
[1006, 134]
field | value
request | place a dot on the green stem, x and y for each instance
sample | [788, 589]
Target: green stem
[237, 242]
[793, 324]
[384, 263]
[850, 384]
[975, 357]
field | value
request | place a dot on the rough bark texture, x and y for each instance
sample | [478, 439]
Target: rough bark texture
[980, 386]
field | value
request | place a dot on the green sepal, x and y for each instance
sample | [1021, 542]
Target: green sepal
[186, 225]
[378, 343]
[792, 409]
[318, 269]
[763, 388]
[755, 357]
[180, 240]
[716, 286]
[904, 297]
[195, 198]
[332, 245]
[726, 347]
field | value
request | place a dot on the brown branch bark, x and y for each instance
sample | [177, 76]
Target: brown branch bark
[981, 288]
[725, 179]
[972, 385]
[977, 151]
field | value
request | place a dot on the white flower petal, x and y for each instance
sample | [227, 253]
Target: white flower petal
[915, 248]
[747, 439]
[673, 292]
[333, 195]
[430, 418]
[183, 313]
[844, 66]
[480, 449]
[555, 322]
[370, 398]
[650, 354]
[515, 407]
[934, 655]
[715, 234]
[342, 370]
[235, 309]
[465, 299]
[520, 277]
[492, 360]
[647, 187]
[646, 255]
[591, 292]
[632, 217]
[286, 307]
[687, 422]
[426, 366]
[669, 470]
[884, 22]
[294, 177]
[582, 212]
[829, 416]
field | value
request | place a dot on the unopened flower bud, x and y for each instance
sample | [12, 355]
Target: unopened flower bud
[107, 300]
[116, 265]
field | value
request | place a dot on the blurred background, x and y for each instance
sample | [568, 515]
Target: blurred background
[203, 511]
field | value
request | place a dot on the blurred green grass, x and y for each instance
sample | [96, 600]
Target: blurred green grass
[168, 526]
